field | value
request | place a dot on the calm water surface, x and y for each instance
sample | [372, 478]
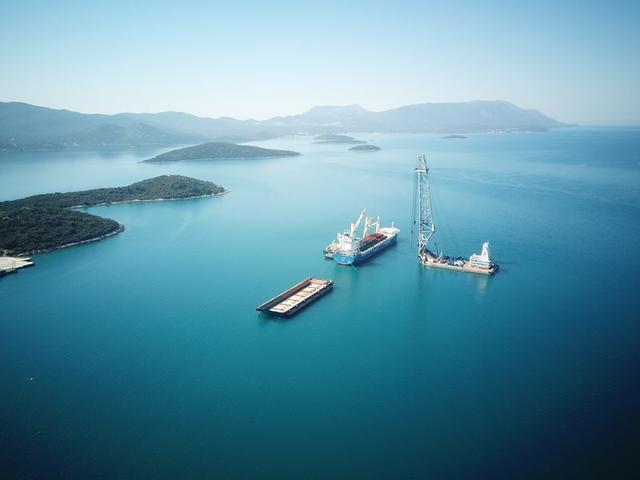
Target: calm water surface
[141, 356]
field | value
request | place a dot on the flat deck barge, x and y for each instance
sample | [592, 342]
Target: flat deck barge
[291, 301]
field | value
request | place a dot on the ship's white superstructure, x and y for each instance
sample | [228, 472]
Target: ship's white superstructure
[482, 260]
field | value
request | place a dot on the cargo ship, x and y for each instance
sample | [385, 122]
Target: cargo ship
[350, 249]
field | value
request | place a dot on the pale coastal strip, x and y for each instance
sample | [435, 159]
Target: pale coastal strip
[118, 230]
[13, 264]
[152, 200]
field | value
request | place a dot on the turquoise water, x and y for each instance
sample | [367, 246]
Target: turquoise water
[141, 356]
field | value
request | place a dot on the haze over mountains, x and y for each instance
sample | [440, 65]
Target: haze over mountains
[29, 127]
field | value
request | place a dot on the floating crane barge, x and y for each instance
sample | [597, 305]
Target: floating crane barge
[291, 301]
[423, 218]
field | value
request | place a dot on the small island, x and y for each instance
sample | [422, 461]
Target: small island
[332, 138]
[219, 150]
[450, 137]
[365, 148]
[46, 222]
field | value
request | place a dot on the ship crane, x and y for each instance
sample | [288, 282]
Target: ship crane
[356, 224]
[426, 228]
[368, 223]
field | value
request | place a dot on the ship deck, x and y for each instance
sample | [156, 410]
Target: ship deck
[466, 267]
[297, 297]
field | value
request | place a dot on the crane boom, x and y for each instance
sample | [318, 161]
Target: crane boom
[424, 219]
[368, 223]
[354, 225]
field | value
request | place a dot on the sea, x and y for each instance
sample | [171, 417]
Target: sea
[142, 355]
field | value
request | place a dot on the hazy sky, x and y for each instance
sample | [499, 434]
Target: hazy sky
[576, 61]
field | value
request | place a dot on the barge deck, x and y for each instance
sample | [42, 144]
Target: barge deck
[457, 266]
[291, 301]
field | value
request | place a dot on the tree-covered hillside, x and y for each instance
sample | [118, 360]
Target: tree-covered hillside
[44, 222]
[35, 228]
[162, 187]
[216, 150]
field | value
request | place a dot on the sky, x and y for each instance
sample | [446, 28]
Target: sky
[575, 61]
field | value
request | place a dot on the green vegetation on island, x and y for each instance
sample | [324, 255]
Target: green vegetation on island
[451, 137]
[29, 230]
[157, 188]
[219, 150]
[332, 138]
[46, 222]
[365, 148]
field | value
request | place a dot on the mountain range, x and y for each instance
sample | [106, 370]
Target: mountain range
[30, 127]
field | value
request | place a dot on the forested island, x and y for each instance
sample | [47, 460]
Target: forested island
[219, 150]
[454, 137]
[365, 148]
[332, 138]
[45, 222]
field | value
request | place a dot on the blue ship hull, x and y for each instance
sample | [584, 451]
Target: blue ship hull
[362, 256]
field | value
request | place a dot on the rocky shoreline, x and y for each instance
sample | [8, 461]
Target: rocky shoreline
[152, 200]
[118, 230]
[47, 222]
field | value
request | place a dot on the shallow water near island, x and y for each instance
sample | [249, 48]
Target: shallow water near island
[142, 356]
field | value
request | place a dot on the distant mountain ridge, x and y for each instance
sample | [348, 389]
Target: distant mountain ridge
[30, 127]
[465, 117]
[322, 115]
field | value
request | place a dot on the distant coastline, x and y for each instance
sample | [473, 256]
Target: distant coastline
[26, 127]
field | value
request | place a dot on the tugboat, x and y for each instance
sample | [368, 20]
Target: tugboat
[330, 250]
[350, 249]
